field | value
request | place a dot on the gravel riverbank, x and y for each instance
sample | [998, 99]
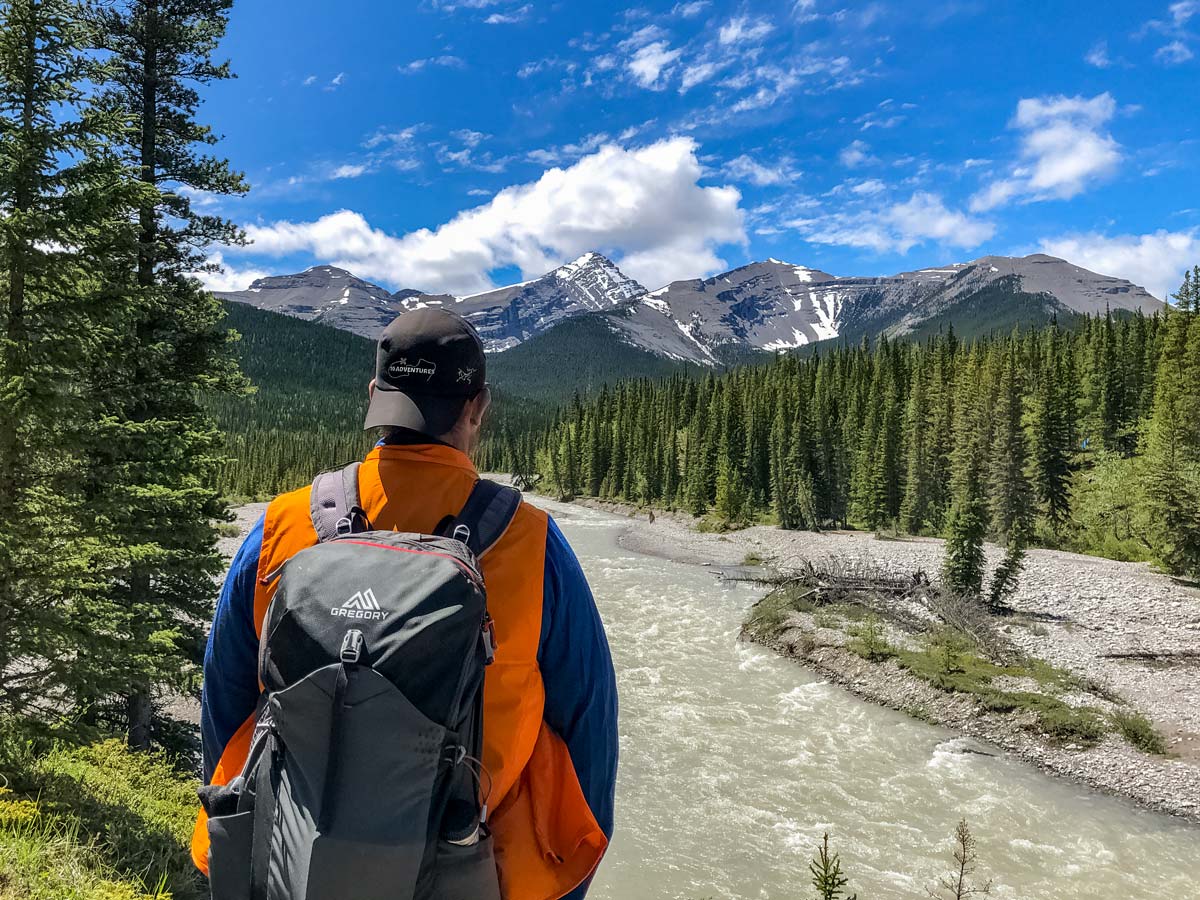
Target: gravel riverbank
[1129, 633]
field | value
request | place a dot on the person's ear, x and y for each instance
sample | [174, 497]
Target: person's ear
[480, 405]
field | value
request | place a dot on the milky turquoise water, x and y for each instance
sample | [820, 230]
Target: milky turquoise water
[734, 762]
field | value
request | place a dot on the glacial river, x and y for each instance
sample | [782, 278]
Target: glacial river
[734, 762]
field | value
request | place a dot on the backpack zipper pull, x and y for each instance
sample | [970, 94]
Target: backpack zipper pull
[489, 638]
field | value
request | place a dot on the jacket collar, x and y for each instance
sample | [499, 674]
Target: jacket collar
[434, 453]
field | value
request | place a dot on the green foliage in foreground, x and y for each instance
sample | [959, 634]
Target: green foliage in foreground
[95, 823]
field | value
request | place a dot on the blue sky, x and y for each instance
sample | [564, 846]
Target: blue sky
[449, 145]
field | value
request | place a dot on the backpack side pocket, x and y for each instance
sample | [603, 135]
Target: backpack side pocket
[230, 839]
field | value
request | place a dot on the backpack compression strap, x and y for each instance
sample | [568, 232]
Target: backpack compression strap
[335, 505]
[485, 517]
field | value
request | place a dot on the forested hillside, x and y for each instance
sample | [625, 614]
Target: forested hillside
[305, 412]
[1087, 439]
[308, 396]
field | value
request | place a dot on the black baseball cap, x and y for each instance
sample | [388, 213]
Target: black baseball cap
[429, 363]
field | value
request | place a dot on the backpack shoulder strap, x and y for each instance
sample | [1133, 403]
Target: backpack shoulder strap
[486, 516]
[335, 504]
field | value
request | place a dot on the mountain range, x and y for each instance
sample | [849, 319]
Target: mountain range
[764, 306]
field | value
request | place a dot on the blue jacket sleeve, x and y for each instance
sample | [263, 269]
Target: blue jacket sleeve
[231, 659]
[581, 686]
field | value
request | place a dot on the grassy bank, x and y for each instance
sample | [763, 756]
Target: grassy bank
[954, 661]
[95, 823]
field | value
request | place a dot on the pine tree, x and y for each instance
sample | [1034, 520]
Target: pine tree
[732, 460]
[1171, 476]
[827, 877]
[61, 207]
[1009, 489]
[967, 524]
[916, 512]
[156, 450]
[1052, 448]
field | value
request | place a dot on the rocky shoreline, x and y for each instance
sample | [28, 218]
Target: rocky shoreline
[1128, 634]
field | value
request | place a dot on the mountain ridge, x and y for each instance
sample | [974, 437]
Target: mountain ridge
[768, 305]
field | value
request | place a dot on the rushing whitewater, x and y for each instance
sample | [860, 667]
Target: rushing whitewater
[734, 763]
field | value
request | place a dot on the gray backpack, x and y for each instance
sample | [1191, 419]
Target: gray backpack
[364, 777]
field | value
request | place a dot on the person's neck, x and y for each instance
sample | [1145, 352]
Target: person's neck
[408, 436]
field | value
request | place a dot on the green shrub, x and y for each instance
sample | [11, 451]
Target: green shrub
[96, 823]
[1140, 732]
[869, 641]
[1068, 724]
[771, 612]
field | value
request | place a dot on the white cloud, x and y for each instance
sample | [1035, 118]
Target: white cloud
[310, 80]
[517, 15]
[803, 10]
[1174, 53]
[741, 30]
[923, 218]
[645, 35]
[446, 62]
[697, 73]
[868, 188]
[1174, 28]
[398, 138]
[552, 156]
[688, 10]
[743, 168]
[1064, 148]
[648, 63]
[349, 170]
[229, 278]
[1156, 261]
[855, 154]
[645, 206]
[1098, 56]
[336, 82]
[1182, 11]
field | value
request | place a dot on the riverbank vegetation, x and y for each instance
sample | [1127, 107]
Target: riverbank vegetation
[948, 641]
[1084, 439]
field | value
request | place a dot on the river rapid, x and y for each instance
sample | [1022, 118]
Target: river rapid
[734, 762]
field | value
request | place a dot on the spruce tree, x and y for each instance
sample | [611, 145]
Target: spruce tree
[155, 447]
[916, 513]
[967, 524]
[1171, 470]
[64, 212]
[1052, 448]
[1009, 494]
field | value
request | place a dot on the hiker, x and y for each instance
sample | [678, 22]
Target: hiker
[543, 783]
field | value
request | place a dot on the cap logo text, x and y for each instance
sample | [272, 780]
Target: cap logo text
[402, 368]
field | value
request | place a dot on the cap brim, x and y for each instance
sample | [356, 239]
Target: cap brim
[428, 415]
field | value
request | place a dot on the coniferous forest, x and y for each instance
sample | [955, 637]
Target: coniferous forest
[1084, 438]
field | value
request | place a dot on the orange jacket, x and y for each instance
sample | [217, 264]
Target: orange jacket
[547, 839]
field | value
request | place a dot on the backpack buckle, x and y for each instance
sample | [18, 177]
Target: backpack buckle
[461, 533]
[353, 647]
[489, 639]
